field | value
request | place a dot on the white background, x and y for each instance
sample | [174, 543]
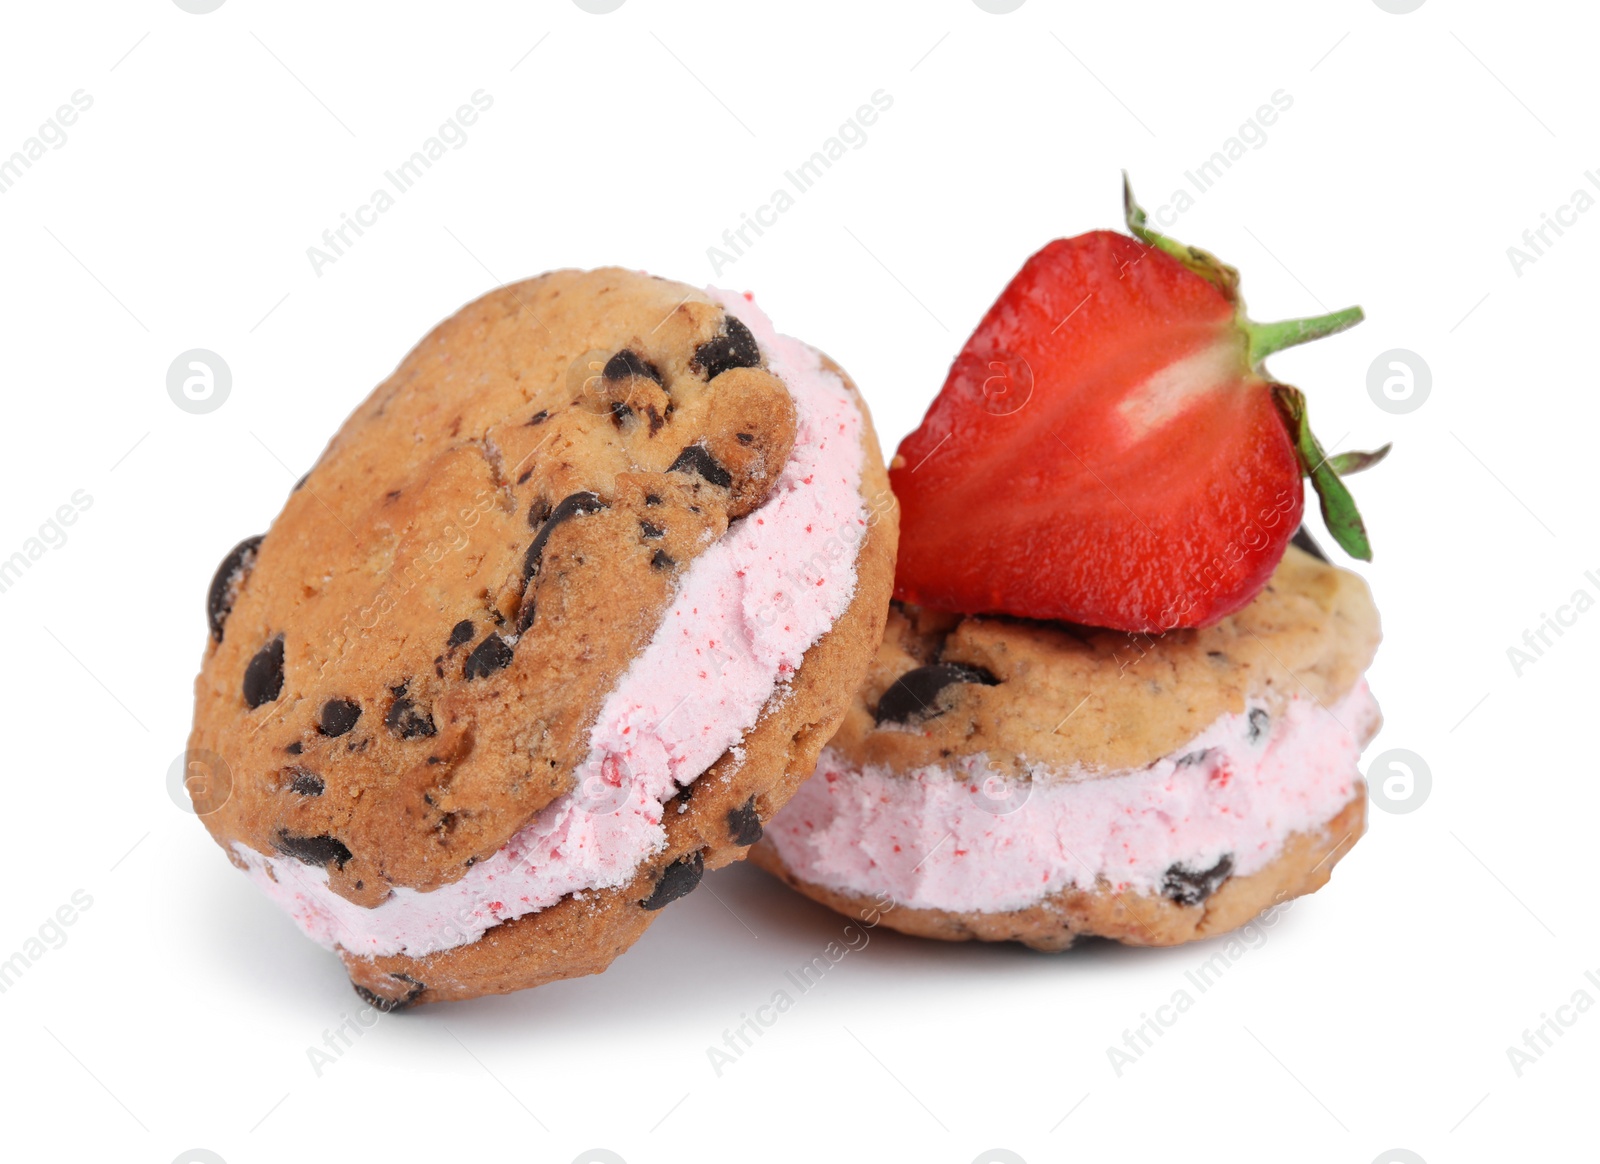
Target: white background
[1376, 1015]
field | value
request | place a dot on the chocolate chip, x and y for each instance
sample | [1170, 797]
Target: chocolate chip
[403, 718]
[379, 1003]
[620, 412]
[338, 716]
[744, 823]
[626, 363]
[263, 676]
[461, 633]
[1260, 721]
[652, 499]
[661, 560]
[489, 656]
[1303, 539]
[696, 459]
[1192, 758]
[304, 781]
[1192, 886]
[913, 695]
[677, 880]
[320, 850]
[538, 513]
[226, 581]
[735, 347]
[568, 508]
[650, 530]
[389, 1005]
[525, 615]
[539, 418]
[745, 437]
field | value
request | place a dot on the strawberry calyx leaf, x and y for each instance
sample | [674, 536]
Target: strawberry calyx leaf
[1346, 463]
[1262, 340]
[1339, 511]
[1201, 262]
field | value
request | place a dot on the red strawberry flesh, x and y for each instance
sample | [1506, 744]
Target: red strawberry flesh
[1101, 453]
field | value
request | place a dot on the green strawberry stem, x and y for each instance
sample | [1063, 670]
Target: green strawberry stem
[1263, 339]
[1339, 512]
[1268, 338]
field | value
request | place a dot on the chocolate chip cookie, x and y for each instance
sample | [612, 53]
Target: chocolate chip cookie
[1006, 779]
[561, 615]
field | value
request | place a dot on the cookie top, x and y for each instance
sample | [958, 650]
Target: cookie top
[1087, 702]
[402, 671]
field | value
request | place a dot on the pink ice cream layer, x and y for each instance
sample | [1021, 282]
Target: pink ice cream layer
[745, 612]
[960, 837]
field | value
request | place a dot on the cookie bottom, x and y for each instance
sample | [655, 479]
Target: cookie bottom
[1302, 866]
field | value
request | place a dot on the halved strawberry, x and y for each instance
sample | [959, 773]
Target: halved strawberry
[1108, 449]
